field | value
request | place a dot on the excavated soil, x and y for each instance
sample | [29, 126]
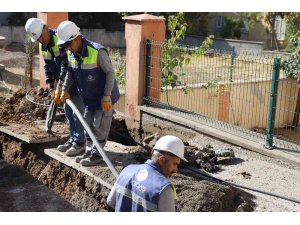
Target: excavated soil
[83, 192]
[194, 194]
[19, 109]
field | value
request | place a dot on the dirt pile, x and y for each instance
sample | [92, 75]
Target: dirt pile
[194, 193]
[19, 109]
[206, 157]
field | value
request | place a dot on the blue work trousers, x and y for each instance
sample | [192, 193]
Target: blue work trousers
[76, 128]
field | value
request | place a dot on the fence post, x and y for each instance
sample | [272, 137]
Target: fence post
[148, 61]
[232, 52]
[139, 28]
[273, 100]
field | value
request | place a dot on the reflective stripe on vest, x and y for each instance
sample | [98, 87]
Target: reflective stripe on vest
[88, 63]
[136, 198]
[175, 196]
[91, 61]
[72, 62]
[47, 54]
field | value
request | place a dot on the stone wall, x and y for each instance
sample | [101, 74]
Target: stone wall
[113, 39]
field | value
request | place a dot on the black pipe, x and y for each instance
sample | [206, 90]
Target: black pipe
[199, 172]
[209, 177]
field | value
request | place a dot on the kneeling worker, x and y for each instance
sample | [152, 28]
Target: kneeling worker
[146, 187]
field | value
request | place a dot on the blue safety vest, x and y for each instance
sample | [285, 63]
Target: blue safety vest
[51, 57]
[88, 75]
[53, 61]
[138, 188]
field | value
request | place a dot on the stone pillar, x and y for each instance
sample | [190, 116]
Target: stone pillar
[52, 19]
[138, 29]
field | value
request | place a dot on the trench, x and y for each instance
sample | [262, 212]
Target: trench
[84, 193]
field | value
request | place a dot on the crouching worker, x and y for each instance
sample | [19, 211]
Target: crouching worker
[91, 70]
[146, 187]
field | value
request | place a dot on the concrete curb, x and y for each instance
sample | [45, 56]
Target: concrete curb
[69, 161]
[293, 158]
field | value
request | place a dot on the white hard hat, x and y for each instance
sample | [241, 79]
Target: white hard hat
[171, 144]
[67, 31]
[34, 27]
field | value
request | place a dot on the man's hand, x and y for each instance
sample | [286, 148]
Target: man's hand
[56, 97]
[106, 104]
[64, 96]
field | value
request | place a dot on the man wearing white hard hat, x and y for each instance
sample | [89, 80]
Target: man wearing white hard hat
[56, 65]
[146, 187]
[91, 69]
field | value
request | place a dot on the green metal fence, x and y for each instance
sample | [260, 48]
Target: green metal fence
[241, 92]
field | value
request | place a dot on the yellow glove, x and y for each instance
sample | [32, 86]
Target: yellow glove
[64, 96]
[106, 105]
[55, 97]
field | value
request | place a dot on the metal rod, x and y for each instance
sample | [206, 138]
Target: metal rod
[148, 60]
[92, 136]
[232, 53]
[273, 100]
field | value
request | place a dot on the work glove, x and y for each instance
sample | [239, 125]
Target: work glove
[56, 97]
[64, 96]
[106, 105]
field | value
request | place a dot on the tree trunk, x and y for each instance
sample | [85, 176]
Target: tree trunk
[297, 112]
[273, 35]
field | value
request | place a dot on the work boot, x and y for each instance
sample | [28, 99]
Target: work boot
[75, 149]
[81, 157]
[91, 160]
[64, 147]
[89, 146]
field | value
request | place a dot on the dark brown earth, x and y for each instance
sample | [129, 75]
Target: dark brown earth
[194, 193]
[18, 109]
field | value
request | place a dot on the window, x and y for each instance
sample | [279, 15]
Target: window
[219, 23]
[280, 27]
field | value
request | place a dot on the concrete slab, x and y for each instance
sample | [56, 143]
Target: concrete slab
[35, 131]
[287, 155]
[118, 154]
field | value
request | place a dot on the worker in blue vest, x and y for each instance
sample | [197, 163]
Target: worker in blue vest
[91, 69]
[56, 65]
[146, 187]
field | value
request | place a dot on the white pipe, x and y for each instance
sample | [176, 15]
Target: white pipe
[94, 139]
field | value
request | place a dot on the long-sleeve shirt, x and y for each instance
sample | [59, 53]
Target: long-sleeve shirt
[104, 62]
[56, 62]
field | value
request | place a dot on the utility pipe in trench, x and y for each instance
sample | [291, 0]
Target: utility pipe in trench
[94, 139]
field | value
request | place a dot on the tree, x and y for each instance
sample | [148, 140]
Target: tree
[232, 28]
[29, 47]
[175, 56]
[293, 30]
[197, 23]
[291, 68]
[19, 18]
[292, 19]
[268, 20]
